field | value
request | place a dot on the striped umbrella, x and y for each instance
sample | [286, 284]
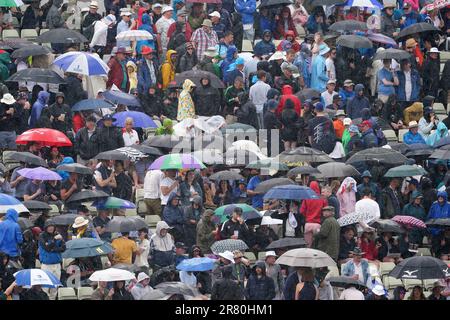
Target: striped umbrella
[176, 161]
[409, 222]
[228, 245]
[11, 3]
[9, 202]
[34, 277]
[363, 4]
[85, 63]
[134, 35]
[132, 153]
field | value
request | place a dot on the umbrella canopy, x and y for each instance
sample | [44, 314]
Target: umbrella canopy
[337, 170]
[418, 149]
[165, 141]
[112, 155]
[176, 161]
[302, 170]
[268, 3]
[25, 223]
[267, 164]
[61, 35]
[228, 245]
[209, 156]
[236, 158]
[267, 185]
[140, 119]
[147, 149]
[119, 97]
[343, 282]
[37, 75]
[35, 277]
[304, 154]
[222, 213]
[237, 126]
[11, 3]
[92, 104]
[386, 225]
[65, 219]
[354, 42]
[405, 171]
[112, 274]
[134, 35]
[39, 173]
[196, 264]
[156, 294]
[291, 192]
[87, 195]
[287, 242]
[414, 28]
[196, 77]
[172, 287]
[381, 38]
[114, 203]
[14, 43]
[9, 202]
[36, 205]
[30, 51]
[306, 257]
[226, 175]
[378, 155]
[391, 53]
[307, 93]
[366, 216]
[132, 153]
[443, 142]
[44, 136]
[29, 158]
[75, 168]
[440, 223]
[421, 268]
[127, 266]
[440, 154]
[126, 224]
[348, 25]
[363, 4]
[86, 247]
[409, 222]
[84, 63]
[315, 3]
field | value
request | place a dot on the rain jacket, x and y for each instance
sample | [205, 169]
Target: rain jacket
[190, 230]
[441, 132]
[229, 59]
[10, 234]
[186, 107]
[287, 93]
[38, 106]
[319, 76]
[205, 238]
[415, 85]
[260, 288]
[50, 249]
[207, 100]
[54, 18]
[390, 204]
[327, 239]
[187, 62]
[356, 104]
[168, 70]
[146, 26]
[162, 249]
[56, 110]
[246, 9]
[132, 76]
[174, 215]
[263, 47]
[117, 75]
[311, 209]
[438, 211]
[109, 138]
[86, 147]
[416, 211]
[410, 138]
[144, 77]
[164, 129]
[347, 200]
[369, 139]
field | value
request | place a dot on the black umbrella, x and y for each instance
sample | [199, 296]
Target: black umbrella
[287, 242]
[5, 47]
[443, 142]
[15, 43]
[126, 224]
[31, 50]
[196, 76]
[302, 170]
[65, 219]
[378, 155]
[304, 154]
[170, 287]
[208, 141]
[237, 126]
[29, 158]
[167, 141]
[265, 186]
[418, 149]
[307, 93]
[37, 75]
[316, 3]
[226, 175]
[24, 223]
[87, 195]
[61, 35]
[337, 170]
[112, 155]
[343, 282]
[440, 223]
[440, 154]
[354, 42]
[76, 168]
[386, 225]
[417, 28]
[392, 53]
[268, 3]
[420, 268]
[399, 146]
[348, 25]
[34, 205]
[147, 149]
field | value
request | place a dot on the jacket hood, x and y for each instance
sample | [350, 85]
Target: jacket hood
[365, 114]
[209, 81]
[168, 54]
[428, 101]
[289, 33]
[287, 89]
[359, 87]
[272, 93]
[133, 65]
[315, 187]
[58, 3]
[161, 225]
[146, 19]
[12, 214]
[230, 53]
[260, 264]
[59, 94]
[442, 194]
[43, 97]
[415, 194]
[171, 197]
[267, 31]
[188, 84]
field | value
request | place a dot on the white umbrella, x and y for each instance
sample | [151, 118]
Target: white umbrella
[134, 35]
[85, 63]
[305, 257]
[366, 211]
[112, 274]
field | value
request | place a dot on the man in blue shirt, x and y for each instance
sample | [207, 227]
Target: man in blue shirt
[257, 199]
[387, 81]
[409, 16]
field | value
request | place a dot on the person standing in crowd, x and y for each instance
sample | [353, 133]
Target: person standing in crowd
[319, 77]
[117, 74]
[258, 95]
[430, 73]
[162, 26]
[321, 133]
[259, 285]
[311, 209]
[327, 238]
[8, 116]
[203, 38]
[391, 203]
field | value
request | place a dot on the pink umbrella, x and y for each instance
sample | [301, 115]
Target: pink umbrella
[409, 222]
[381, 38]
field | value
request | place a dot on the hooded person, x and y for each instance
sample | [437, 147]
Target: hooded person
[109, 137]
[10, 234]
[311, 209]
[246, 111]
[232, 55]
[192, 214]
[347, 196]
[415, 209]
[259, 285]
[188, 60]
[206, 231]
[168, 68]
[132, 74]
[367, 184]
[186, 107]
[285, 24]
[287, 93]
[174, 216]
[440, 133]
[226, 288]
[162, 246]
[207, 98]
[38, 106]
[166, 128]
[265, 47]
[152, 101]
[54, 18]
[147, 25]
[60, 114]
[356, 104]
[319, 78]
[289, 42]
[440, 209]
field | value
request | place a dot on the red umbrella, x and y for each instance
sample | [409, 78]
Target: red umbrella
[409, 221]
[44, 136]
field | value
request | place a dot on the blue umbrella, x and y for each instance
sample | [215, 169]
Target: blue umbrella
[82, 63]
[196, 264]
[92, 104]
[120, 97]
[140, 119]
[291, 192]
[34, 277]
[86, 247]
[9, 202]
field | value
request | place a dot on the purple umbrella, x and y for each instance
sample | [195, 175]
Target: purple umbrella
[381, 38]
[39, 173]
[140, 119]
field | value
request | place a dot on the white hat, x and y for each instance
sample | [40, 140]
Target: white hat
[210, 52]
[157, 5]
[79, 222]
[110, 18]
[434, 50]
[142, 276]
[277, 56]
[347, 121]
[125, 13]
[214, 14]
[378, 290]
[227, 255]
[85, 9]
[413, 124]
[8, 99]
[271, 254]
[166, 9]
[93, 4]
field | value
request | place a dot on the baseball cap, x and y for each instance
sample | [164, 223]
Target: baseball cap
[365, 123]
[347, 122]
[215, 14]
[319, 106]
[348, 83]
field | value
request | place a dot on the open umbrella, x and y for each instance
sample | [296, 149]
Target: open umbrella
[443, 142]
[65, 219]
[92, 104]
[421, 268]
[222, 213]
[14, 43]
[132, 153]
[378, 155]
[34, 205]
[196, 77]
[209, 156]
[112, 274]
[405, 171]
[11, 3]
[228, 245]
[337, 170]
[172, 287]
[134, 35]
[88, 64]
[235, 158]
[354, 42]
[381, 38]
[306, 257]
[36, 75]
[440, 154]
[86, 247]
[439, 223]
[75, 168]
[156, 294]
[87, 195]
[268, 3]
[386, 225]
[418, 149]
[176, 161]
[409, 222]
[348, 25]
[237, 126]
[29, 158]
[30, 51]
[126, 224]
[307, 93]
[226, 175]
[415, 28]
[304, 154]
[35, 277]
[287, 242]
[39, 173]
[366, 216]
[167, 141]
[291, 192]
[343, 282]
[391, 53]
[269, 164]
[112, 155]
[119, 97]
[196, 264]
[302, 170]
[315, 3]
[147, 149]
[61, 35]
[114, 203]
[127, 266]
[267, 185]
[44, 136]
[363, 4]
[140, 119]
[25, 223]
[9, 202]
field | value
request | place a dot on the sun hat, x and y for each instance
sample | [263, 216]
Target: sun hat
[8, 99]
[278, 55]
[207, 23]
[413, 124]
[271, 254]
[324, 49]
[340, 113]
[215, 14]
[366, 174]
[237, 254]
[411, 43]
[347, 122]
[438, 283]
[125, 13]
[357, 251]
[348, 83]
[389, 4]
[93, 4]
[227, 255]
[157, 5]
[434, 50]
[166, 9]
[146, 50]
[79, 222]
[378, 290]
[142, 276]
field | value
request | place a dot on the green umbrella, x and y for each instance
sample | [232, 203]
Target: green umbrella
[177, 161]
[114, 203]
[11, 3]
[267, 164]
[405, 171]
[222, 213]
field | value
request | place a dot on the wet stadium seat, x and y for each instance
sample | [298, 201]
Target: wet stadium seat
[67, 294]
[262, 255]
[29, 34]
[250, 256]
[423, 252]
[139, 194]
[401, 133]
[333, 272]
[390, 135]
[38, 264]
[141, 207]
[10, 33]
[386, 267]
[15, 23]
[391, 282]
[247, 46]
[85, 293]
[152, 220]
[411, 283]
[439, 108]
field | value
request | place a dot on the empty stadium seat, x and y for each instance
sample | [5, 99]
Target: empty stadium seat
[10, 33]
[43, 31]
[333, 272]
[390, 135]
[411, 283]
[131, 212]
[391, 283]
[247, 46]
[141, 207]
[423, 252]
[15, 23]
[250, 256]
[85, 293]
[401, 133]
[152, 220]
[67, 294]
[29, 34]
[262, 255]
[439, 108]
[386, 267]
